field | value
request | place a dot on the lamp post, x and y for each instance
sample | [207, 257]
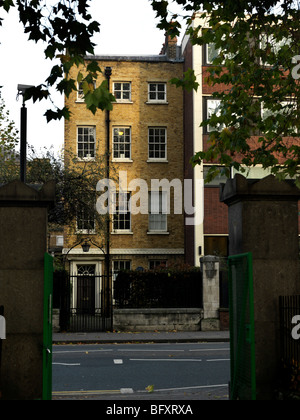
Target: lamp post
[23, 139]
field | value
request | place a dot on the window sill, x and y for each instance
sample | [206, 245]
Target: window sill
[158, 232]
[85, 232]
[157, 161]
[157, 103]
[122, 232]
[122, 160]
[86, 159]
[122, 102]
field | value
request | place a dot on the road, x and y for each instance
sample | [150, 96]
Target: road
[124, 371]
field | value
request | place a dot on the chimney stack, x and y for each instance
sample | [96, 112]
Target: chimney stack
[170, 48]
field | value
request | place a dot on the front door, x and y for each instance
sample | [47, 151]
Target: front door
[86, 289]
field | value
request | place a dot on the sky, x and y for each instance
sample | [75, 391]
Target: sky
[128, 27]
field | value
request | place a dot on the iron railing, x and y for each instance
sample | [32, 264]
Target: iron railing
[1, 314]
[289, 307]
[159, 289]
[85, 303]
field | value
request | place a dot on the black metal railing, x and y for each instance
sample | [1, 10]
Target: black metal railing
[85, 303]
[1, 314]
[224, 293]
[289, 307]
[159, 289]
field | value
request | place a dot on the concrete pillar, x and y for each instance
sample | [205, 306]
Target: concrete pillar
[263, 219]
[23, 242]
[211, 293]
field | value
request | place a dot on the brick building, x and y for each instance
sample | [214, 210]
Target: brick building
[146, 141]
[211, 236]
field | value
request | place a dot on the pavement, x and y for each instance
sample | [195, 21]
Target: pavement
[140, 337]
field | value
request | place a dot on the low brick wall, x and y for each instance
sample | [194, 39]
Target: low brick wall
[136, 320]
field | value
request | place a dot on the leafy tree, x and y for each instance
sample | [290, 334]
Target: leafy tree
[8, 141]
[258, 45]
[67, 29]
[75, 189]
[75, 183]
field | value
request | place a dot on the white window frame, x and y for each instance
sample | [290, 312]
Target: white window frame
[275, 46]
[59, 240]
[89, 132]
[217, 50]
[80, 94]
[157, 92]
[209, 111]
[158, 211]
[119, 133]
[160, 145]
[157, 263]
[122, 92]
[121, 212]
[83, 221]
[119, 265]
[265, 112]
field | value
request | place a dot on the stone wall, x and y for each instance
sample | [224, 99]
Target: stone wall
[137, 320]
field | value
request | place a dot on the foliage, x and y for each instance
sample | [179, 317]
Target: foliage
[75, 184]
[253, 72]
[8, 141]
[67, 28]
[161, 288]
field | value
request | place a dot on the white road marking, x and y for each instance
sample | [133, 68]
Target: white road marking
[190, 387]
[126, 391]
[209, 350]
[80, 351]
[66, 364]
[118, 361]
[166, 360]
[152, 351]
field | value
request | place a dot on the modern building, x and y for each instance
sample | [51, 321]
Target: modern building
[210, 237]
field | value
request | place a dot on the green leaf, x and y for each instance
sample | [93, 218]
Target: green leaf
[189, 81]
[7, 4]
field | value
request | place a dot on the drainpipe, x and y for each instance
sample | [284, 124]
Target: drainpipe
[107, 297]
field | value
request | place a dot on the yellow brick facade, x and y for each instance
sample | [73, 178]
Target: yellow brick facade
[138, 246]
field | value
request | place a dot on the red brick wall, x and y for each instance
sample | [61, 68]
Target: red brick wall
[215, 213]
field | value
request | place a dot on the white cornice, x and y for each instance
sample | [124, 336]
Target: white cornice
[127, 251]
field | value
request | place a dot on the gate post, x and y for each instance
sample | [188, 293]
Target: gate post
[263, 219]
[23, 233]
[210, 266]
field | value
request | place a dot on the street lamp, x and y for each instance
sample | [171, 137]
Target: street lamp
[23, 140]
[85, 246]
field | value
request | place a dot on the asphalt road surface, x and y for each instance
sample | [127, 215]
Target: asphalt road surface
[141, 371]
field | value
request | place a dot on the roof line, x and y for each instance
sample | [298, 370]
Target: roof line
[142, 58]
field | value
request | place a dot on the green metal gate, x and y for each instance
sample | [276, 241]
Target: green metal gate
[242, 337]
[47, 340]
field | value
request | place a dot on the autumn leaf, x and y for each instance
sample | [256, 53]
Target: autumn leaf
[150, 389]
